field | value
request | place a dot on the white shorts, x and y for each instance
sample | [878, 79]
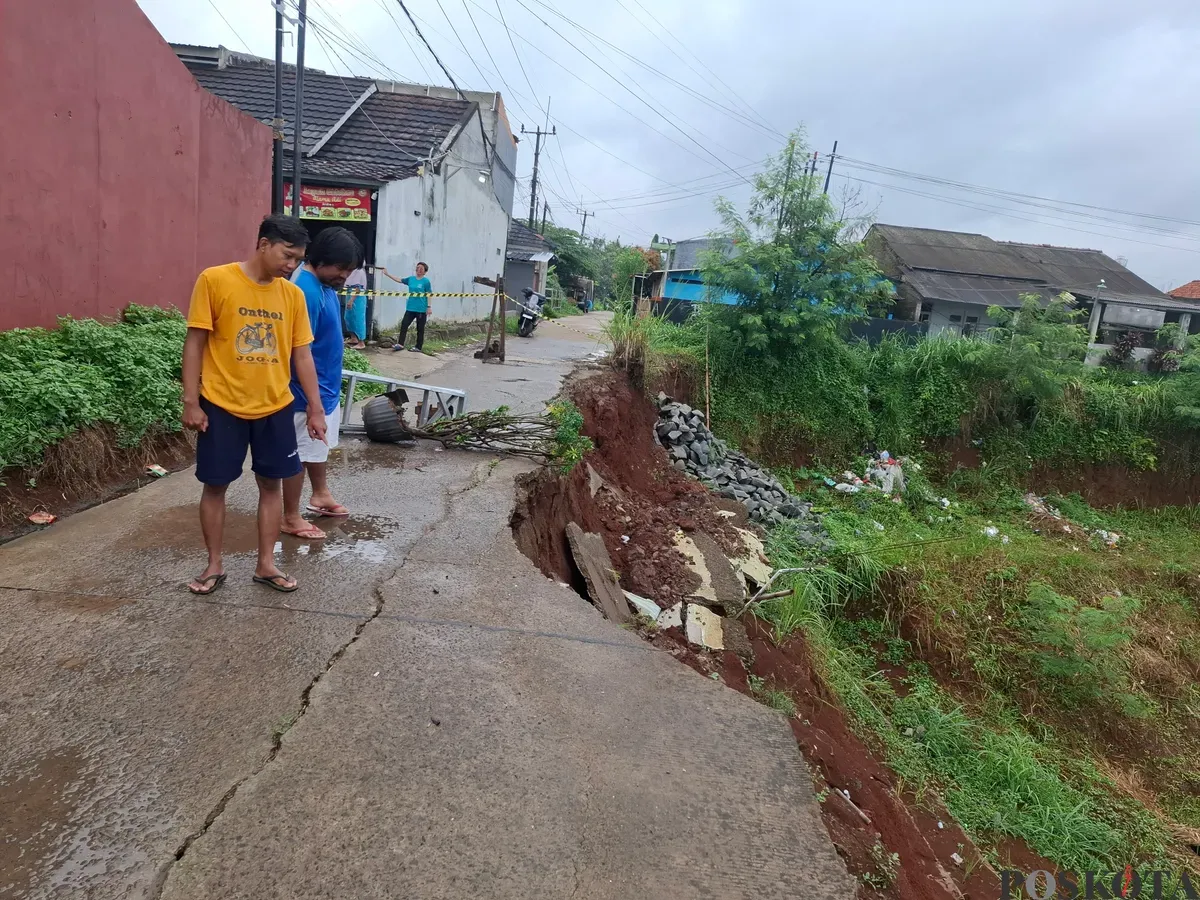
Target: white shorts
[317, 451]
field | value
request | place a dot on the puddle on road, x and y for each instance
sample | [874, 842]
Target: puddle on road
[178, 528]
[81, 602]
[364, 537]
[35, 809]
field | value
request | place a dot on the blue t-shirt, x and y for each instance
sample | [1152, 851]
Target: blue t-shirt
[419, 290]
[325, 317]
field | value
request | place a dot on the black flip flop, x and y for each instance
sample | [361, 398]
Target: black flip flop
[273, 583]
[217, 580]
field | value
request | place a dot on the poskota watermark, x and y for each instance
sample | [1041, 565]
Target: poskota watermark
[1127, 884]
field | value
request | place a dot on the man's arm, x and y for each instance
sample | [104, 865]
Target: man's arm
[306, 374]
[193, 352]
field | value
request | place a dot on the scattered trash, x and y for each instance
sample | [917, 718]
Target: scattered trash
[878, 526]
[956, 859]
[376, 675]
[624, 539]
[156, 470]
[941, 826]
[704, 628]
[944, 502]
[41, 517]
[991, 531]
[1004, 538]
[715, 676]
[1043, 510]
[671, 618]
[439, 449]
[647, 608]
[847, 488]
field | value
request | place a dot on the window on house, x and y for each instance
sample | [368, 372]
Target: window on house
[972, 324]
[956, 320]
[924, 317]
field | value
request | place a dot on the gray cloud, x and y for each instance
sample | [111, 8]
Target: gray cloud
[1091, 101]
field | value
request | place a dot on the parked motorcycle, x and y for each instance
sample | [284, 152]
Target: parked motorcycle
[531, 312]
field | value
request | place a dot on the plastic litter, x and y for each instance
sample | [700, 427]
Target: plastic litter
[991, 531]
[156, 470]
[41, 517]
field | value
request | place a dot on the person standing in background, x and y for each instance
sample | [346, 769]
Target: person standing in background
[416, 309]
[356, 309]
[332, 257]
[247, 332]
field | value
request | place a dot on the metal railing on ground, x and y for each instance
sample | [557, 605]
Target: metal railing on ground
[436, 402]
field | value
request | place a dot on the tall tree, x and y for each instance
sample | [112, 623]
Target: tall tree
[796, 273]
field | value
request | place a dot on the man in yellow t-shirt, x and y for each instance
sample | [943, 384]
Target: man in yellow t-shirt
[247, 325]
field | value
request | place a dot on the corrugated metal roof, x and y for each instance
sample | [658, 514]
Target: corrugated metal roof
[384, 140]
[686, 254]
[970, 268]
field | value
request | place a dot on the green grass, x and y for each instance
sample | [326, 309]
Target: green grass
[1036, 647]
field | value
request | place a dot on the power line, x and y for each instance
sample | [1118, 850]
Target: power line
[429, 47]
[1002, 212]
[217, 10]
[625, 87]
[742, 118]
[386, 7]
[487, 49]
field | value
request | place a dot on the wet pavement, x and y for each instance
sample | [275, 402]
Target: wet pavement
[427, 717]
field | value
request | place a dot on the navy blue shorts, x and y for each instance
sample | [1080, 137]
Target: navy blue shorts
[221, 450]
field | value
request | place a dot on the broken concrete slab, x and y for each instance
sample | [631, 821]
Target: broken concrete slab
[591, 556]
[704, 628]
[644, 606]
[752, 564]
[595, 482]
[737, 640]
[671, 618]
[727, 584]
[706, 593]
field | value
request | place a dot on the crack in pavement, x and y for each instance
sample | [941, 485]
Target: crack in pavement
[163, 876]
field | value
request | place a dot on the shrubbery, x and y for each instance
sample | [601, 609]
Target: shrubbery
[55, 382]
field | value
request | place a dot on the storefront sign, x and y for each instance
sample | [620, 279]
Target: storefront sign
[330, 203]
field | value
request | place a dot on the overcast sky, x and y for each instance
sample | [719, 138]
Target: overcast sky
[1094, 103]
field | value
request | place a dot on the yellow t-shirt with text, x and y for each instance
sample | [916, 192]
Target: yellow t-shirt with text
[253, 329]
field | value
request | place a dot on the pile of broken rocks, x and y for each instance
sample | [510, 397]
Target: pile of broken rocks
[696, 451]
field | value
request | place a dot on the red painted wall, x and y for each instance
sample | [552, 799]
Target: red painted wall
[120, 177]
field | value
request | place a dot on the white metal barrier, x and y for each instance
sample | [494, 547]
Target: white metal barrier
[436, 402]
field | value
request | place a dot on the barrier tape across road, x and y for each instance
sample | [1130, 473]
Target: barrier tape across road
[345, 293]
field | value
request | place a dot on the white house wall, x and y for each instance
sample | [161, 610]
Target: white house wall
[451, 222]
[939, 317]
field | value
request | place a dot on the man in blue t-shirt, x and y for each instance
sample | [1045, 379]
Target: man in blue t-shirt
[416, 309]
[332, 257]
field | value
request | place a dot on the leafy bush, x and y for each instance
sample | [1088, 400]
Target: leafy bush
[1077, 648]
[84, 373]
[355, 361]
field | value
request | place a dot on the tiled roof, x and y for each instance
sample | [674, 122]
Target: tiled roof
[383, 140]
[973, 268]
[1189, 291]
[524, 243]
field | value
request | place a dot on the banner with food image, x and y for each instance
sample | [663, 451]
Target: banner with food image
[331, 203]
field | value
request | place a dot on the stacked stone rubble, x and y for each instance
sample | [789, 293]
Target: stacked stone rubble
[695, 450]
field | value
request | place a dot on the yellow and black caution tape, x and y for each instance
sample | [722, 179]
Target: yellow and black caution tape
[352, 293]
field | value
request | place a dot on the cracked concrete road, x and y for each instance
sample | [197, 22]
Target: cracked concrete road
[427, 717]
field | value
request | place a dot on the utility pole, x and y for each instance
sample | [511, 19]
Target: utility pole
[787, 184]
[277, 123]
[298, 129]
[583, 230]
[537, 153]
[829, 174]
[545, 212]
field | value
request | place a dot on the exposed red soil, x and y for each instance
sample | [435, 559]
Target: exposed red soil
[644, 499]
[87, 469]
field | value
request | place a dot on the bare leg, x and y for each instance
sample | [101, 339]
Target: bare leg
[270, 511]
[321, 495]
[212, 523]
[293, 521]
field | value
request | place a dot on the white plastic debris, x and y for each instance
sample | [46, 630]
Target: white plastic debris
[647, 608]
[956, 859]
[944, 502]
[704, 628]
[991, 531]
[1004, 538]
[878, 526]
[847, 488]
[671, 618]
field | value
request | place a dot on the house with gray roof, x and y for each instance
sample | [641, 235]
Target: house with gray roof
[419, 173]
[527, 260]
[948, 279]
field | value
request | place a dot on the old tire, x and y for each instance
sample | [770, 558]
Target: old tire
[381, 422]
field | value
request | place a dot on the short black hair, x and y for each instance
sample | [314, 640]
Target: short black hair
[281, 229]
[336, 247]
[422, 264]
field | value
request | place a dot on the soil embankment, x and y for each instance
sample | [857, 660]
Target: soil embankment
[629, 494]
